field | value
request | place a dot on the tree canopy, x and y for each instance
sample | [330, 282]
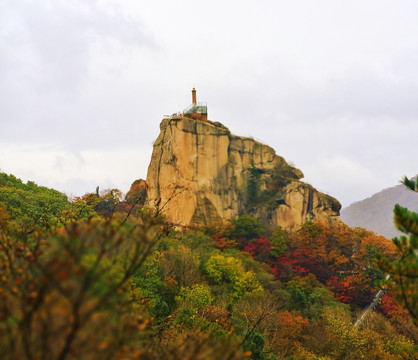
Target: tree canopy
[103, 277]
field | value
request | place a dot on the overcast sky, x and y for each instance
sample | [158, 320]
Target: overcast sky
[331, 85]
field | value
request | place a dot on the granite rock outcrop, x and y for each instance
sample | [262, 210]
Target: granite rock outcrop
[200, 174]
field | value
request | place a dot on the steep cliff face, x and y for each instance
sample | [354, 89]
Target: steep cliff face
[201, 174]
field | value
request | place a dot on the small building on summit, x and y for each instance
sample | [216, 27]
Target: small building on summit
[196, 111]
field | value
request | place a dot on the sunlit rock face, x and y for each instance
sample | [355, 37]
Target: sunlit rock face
[200, 174]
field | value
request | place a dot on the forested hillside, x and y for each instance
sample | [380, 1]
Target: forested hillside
[104, 278]
[376, 212]
[30, 203]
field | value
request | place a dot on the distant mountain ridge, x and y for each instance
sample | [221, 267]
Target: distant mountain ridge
[376, 212]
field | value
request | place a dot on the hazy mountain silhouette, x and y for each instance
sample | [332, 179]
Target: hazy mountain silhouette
[376, 212]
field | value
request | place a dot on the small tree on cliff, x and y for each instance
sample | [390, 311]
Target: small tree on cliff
[404, 272]
[247, 227]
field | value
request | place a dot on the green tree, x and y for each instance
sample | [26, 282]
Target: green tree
[278, 241]
[255, 343]
[247, 227]
[404, 271]
[226, 269]
[32, 206]
[197, 296]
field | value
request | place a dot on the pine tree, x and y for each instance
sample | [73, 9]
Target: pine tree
[403, 281]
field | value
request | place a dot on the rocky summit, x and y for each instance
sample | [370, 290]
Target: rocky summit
[201, 174]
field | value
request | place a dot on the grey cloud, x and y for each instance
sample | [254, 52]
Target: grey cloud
[318, 82]
[47, 57]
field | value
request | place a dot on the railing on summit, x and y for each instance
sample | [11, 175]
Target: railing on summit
[200, 107]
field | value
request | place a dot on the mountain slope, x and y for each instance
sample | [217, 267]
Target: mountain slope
[376, 212]
[139, 289]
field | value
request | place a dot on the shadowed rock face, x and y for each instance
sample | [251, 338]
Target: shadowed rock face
[200, 174]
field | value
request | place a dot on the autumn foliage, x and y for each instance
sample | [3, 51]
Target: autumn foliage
[101, 277]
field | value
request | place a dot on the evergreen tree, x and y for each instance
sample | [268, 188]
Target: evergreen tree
[404, 271]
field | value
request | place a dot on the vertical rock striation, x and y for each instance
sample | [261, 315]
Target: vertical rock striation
[201, 174]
